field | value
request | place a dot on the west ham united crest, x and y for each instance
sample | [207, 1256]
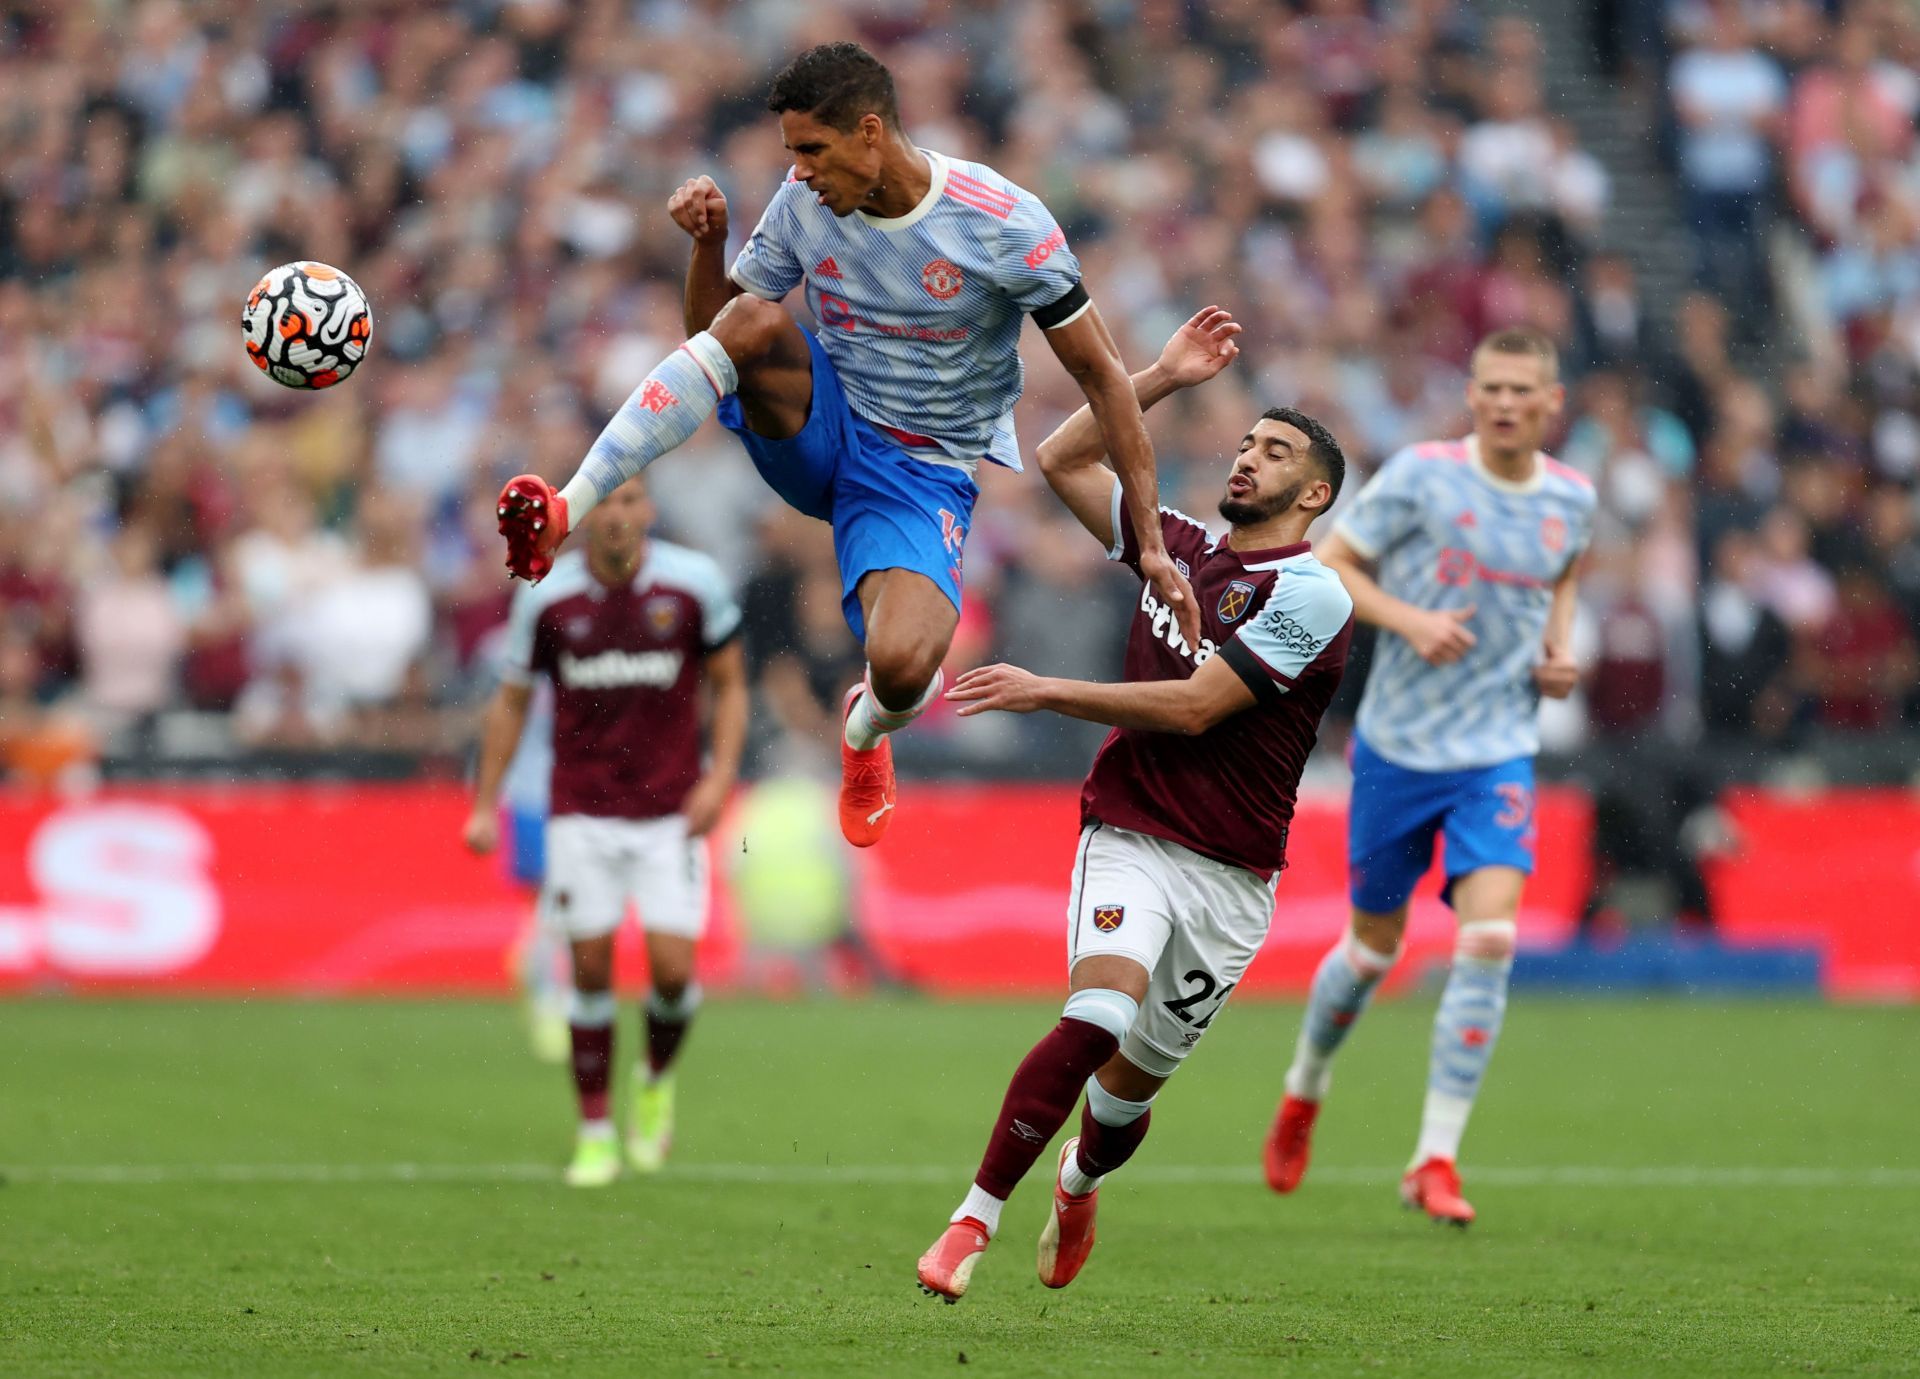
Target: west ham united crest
[663, 614]
[1235, 599]
[1106, 918]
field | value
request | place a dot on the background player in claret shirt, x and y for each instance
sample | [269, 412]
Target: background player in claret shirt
[1474, 547]
[918, 269]
[1185, 813]
[634, 634]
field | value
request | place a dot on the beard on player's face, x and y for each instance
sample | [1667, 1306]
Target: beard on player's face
[1253, 507]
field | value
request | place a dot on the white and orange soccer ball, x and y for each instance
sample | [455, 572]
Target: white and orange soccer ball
[307, 325]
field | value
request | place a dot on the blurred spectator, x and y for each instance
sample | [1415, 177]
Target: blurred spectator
[1746, 649]
[1728, 96]
[131, 636]
[1861, 661]
[1370, 188]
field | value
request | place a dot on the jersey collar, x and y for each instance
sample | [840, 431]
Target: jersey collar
[1269, 559]
[935, 190]
[1530, 484]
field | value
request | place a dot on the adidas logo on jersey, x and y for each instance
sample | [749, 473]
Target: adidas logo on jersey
[621, 670]
[827, 268]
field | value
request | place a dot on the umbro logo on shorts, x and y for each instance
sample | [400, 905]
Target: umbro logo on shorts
[1107, 918]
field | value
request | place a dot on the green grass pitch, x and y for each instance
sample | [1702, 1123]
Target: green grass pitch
[1664, 1188]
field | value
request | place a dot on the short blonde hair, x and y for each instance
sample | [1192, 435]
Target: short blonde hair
[1522, 340]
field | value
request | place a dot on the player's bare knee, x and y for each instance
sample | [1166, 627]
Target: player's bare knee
[1379, 933]
[1489, 939]
[752, 330]
[1121, 1077]
[900, 670]
[593, 966]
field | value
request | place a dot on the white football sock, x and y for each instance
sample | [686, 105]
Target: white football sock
[1341, 985]
[983, 1207]
[869, 721]
[663, 412]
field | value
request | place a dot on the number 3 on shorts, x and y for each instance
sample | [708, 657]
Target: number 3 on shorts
[1516, 812]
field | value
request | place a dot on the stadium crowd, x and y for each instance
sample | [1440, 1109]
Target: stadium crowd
[192, 558]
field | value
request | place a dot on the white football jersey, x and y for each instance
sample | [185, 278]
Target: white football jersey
[921, 313]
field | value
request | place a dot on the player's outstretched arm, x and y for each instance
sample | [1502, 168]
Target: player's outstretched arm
[1073, 458]
[1087, 352]
[1438, 636]
[500, 728]
[1191, 706]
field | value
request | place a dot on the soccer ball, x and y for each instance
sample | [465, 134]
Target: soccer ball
[306, 325]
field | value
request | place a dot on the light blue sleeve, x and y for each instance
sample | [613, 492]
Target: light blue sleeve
[766, 264]
[516, 653]
[719, 609]
[1034, 266]
[1300, 619]
[1386, 510]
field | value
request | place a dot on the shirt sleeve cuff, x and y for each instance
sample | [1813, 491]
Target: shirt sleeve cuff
[763, 293]
[1118, 550]
[1362, 547]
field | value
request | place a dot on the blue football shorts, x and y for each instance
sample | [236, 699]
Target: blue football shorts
[1485, 813]
[888, 510]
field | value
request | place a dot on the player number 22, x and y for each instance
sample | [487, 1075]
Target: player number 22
[1183, 1007]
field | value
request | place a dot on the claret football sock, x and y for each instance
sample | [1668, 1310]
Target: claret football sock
[1111, 1128]
[662, 413]
[869, 721]
[667, 1025]
[1342, 986]
[591, 1020]
[1047, 1084]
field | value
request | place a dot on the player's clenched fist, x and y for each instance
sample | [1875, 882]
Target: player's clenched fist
[482, 832]
[700, 208]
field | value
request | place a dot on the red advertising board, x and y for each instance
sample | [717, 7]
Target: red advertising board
[1840, 871]
[366, 888]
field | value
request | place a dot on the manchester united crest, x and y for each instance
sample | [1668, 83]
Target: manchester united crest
[663, 614]
[1553, 534]
[1107, 918]
[942, 279]
[1235, 599]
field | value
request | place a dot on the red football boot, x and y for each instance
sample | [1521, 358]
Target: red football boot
[1067, 1238]
[866, 784]
[1434, 1187]
[948, 1263]
[1289, 1142]
[533, 518]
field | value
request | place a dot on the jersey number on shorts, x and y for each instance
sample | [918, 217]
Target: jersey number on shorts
[1518, 802]
[1183, 1007]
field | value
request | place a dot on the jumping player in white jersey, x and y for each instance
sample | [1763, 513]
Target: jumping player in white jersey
[634, 633]
[918, 270]
[1184, 816]
[1474, 548]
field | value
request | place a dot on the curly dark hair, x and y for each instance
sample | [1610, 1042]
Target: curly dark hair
[836, 83]
[1322, 448]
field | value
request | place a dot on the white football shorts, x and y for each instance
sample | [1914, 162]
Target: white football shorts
[1192, 922]
[597, 867]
